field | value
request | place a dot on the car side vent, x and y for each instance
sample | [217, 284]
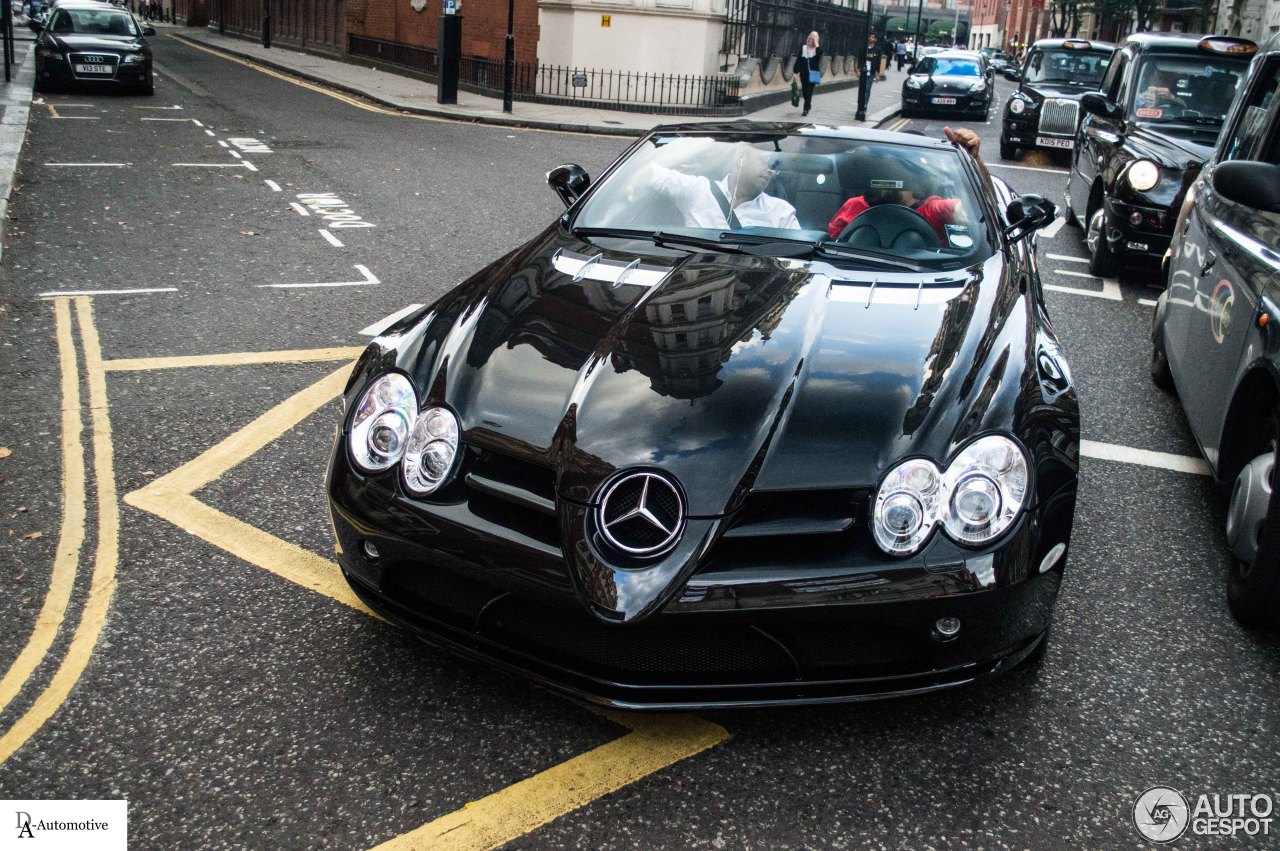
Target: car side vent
[512, 480]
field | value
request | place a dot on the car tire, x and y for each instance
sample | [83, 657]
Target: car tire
[1253, 589]
[1161, 375]
[1103, 262]
[149, 87]
[1008, 150]
[1070, 215]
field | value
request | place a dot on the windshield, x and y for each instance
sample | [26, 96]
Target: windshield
[1073, 67]
[794, 195]
[104, 21]
[945, 67]
[1186, 89]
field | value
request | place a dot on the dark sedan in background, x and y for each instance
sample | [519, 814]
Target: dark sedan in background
[689, 447]
[1216, 335]
[950, 82]
[1044, 111]
[93, 44]
[1145, 136]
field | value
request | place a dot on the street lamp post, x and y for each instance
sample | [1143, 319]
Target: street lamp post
[266, 23]
[509, 59]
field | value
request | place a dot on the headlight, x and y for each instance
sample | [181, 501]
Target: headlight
[914, 83]
[907, 506]
[382, 422]
[978, 86]
[131, 59]
[1017, 105]
[431, 451]
[976, 499]
[983, 490]
[1144, 175]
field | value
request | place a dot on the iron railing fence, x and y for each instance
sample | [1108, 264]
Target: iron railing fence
[557, 84]
[764, 28]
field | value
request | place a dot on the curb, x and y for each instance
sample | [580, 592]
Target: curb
[13, 131]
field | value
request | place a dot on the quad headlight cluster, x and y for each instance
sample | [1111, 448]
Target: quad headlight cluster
[975, 500]
[387, 428]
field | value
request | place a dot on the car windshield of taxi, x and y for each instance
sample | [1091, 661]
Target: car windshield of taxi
[1067, 67]
[911, 205]
[1183, 89]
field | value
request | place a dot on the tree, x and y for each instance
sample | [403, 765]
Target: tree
[1112, 15]
[1064, 18]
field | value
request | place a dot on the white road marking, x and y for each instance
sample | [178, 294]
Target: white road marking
[275, 187]
[89, 165]
[363, 270]
[333, 240]
[1052, 230]
[302, 211]
[1110, 290]
[1147, 302]
[55, 293]
[1078, 274]
[1028, 168]
[170, 108]
[223, 144]
[211, 133]
[165, 119]
[383, 324]
[207, 165]
[235, 154]
[196, 121]
[76, 117]
[249, 165]
[1067, 257]
[1144, 457]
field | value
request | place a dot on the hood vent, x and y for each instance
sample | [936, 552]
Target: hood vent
[615, 272]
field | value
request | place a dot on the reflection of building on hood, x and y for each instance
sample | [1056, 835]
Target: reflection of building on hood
[957, 317]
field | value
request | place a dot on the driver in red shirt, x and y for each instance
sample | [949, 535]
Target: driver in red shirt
[897, 185]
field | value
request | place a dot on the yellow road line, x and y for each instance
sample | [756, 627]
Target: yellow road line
[170, 497]
[346, 353]
[71, 536]
[103, 582]
[653, 744]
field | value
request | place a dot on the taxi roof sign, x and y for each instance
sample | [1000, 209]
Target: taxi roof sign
[1228, 44]
[1077, 44]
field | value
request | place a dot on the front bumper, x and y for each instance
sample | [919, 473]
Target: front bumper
[1025, 133]
[914, 99]
[58, 71]
[1147, 240]
[741, 632]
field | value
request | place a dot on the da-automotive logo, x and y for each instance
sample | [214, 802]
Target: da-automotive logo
[24, 826]
[1161, 814]
[1220, 309]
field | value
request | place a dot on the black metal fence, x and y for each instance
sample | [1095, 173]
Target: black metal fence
[671, 93]
[764, 28]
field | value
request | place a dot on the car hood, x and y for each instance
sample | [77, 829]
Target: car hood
[1182, 147]
[732, 374]
[1041, 91]
[106, 43]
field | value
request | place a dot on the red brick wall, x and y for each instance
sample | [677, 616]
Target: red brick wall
[314, 24]
[484, 25]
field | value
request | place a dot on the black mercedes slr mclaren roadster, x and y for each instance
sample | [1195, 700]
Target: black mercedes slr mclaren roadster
[699, 444]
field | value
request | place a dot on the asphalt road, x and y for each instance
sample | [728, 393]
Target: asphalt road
[187, 671]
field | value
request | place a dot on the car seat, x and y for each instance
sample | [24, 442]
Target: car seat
[810, 184]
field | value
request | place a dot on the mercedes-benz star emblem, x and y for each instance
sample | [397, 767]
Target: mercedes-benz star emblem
[642, 514]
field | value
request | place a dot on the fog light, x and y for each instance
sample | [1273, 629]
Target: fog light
[1135, 218]
[371, 553]
[1051, 557]
[945, 629]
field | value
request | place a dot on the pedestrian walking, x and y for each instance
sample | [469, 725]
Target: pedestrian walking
[808, 67]
[901, 51]
[868, 59]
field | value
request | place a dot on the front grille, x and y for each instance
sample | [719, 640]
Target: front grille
[1059, 116]
[788, 513]
[110, 60]
[513, 493]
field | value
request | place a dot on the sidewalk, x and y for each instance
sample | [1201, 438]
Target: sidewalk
[413, 95]
[15, 107]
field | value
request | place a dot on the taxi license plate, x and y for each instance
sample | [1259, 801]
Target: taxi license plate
[943, 101]
[1049, 142]
[93, 69]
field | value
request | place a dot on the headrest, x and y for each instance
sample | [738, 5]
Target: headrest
[802, 163]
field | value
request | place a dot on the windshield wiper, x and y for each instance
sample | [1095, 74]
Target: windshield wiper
[774, 246]
[831, 250]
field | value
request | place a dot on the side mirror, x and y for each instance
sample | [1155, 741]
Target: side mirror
[569, 182]
[36, 25]
[1013, 75]
[1255, 185]
[1026, 214]
[148, 30]
[1096, 103]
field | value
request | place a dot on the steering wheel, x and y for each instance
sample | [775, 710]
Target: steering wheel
[891, 226]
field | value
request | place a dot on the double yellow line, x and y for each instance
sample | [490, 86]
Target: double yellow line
[54, 611]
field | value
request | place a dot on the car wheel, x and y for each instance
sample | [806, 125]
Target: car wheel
[149, 87]
[1253, 531]
[1103, 262]
[1008, 150]
[1161, 375]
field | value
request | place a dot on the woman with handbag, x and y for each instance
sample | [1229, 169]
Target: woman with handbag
[808, 68]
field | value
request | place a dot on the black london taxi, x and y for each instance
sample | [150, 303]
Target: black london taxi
[1216, 333]
[1044, 111]
[1144, 137]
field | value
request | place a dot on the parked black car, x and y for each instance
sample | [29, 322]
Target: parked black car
[1216, 335]
[1044, 111]
[1144, 138]
[953, 81]
[655, 460]
[92, 44]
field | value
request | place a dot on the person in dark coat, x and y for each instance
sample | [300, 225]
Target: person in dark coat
[810, 59]
[868, 67]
